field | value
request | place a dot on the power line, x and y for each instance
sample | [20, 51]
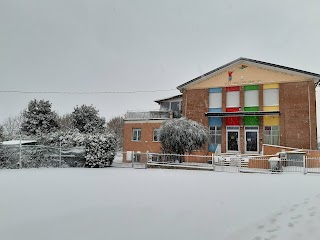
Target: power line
[83, 93]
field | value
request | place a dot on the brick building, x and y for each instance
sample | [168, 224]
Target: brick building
[245, 103]
[141, 127]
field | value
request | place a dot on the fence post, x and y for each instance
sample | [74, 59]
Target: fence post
[212, 159]
[20, 157]
[132, 158]
[304, 164]
[60, 155]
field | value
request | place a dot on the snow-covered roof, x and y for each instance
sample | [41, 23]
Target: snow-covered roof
[17, 142]
[168, 98]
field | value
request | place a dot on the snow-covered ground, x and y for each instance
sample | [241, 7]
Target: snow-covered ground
[121, 203]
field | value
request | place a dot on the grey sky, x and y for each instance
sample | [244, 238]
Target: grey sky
[114, 45]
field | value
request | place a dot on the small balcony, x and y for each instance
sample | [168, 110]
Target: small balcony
[148, 115]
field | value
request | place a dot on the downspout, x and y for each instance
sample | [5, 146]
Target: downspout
[185, 106]
[310, 139]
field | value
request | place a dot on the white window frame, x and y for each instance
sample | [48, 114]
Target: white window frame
[251, 129]
[213, 133]
[271, 135]
[233, 129]
[136, 137]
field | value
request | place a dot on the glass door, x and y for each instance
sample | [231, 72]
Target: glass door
[251, 139]
[232, 139]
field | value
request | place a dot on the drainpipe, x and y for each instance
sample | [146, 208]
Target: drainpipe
[310, 139]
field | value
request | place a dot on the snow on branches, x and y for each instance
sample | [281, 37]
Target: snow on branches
[38, 118]
[182, 135]
[87, 120]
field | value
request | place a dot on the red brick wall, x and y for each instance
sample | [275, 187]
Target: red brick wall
[196, 104]
[295, 116]
[146, 143]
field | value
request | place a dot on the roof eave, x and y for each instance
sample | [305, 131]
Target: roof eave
[182, 87]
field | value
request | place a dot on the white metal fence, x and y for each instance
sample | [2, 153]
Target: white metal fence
[224, 163]
[35, 156]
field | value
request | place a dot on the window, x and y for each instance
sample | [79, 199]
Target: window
[251, 98]
[215, 135]
[136, 134]
[271, 135]
[156, 134]
[175, 106]
[171, 106]
[215, 100]
[165, 105]
[233, 99]
[271, 97]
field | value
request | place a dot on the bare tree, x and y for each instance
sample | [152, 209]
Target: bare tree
[65, 122]
[115, 126]
[11, 127]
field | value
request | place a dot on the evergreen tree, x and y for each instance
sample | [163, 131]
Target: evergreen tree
[87, 120]
[38, 118]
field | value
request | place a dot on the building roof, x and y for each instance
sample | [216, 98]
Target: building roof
[247, 60]
[168, 98]
[17, 142]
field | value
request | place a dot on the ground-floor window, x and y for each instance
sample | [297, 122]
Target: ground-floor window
[136, 134]
[215, 135]
[271, 135]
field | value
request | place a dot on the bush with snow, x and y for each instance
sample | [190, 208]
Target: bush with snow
[182, 135]
[87, 120]
[100, 150]
[1, 134]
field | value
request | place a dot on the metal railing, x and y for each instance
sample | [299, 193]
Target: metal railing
[146, 115]
[224, 163]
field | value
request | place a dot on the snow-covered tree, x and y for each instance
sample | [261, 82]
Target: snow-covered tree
[182, 135]
[115, 126]
[87, 120]
[100, 150]
[11, 127]
[38, 118]
[1, 134]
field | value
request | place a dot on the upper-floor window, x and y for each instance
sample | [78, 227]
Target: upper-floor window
[156, 134]
[171, 106]
[136, 134]
[215, 99]
[271, 97]
[233, 97]
[251, 96]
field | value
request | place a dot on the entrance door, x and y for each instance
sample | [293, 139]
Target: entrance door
[232, 139]
[251, 136]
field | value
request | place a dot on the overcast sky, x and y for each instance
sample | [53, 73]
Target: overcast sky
[141, 45]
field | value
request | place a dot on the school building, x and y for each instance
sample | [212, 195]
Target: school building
[244, 103]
